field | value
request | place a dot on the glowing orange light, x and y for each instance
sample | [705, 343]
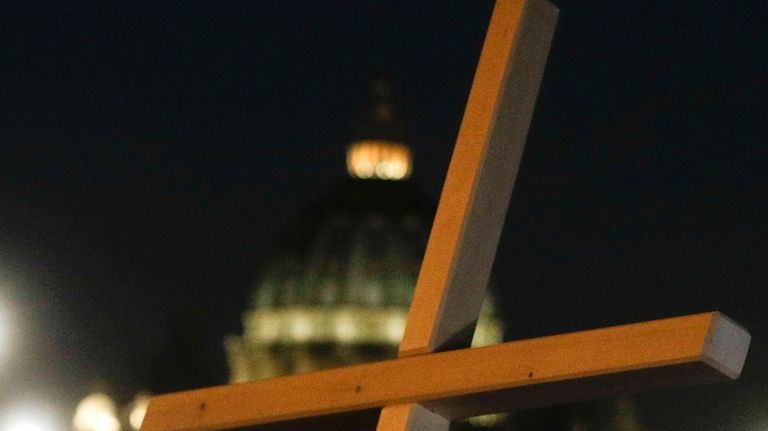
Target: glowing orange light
[379, 159]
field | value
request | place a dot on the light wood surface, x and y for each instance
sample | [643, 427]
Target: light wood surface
[460, 383]
[462, 244]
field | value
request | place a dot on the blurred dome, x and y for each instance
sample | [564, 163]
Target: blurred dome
[361, 247]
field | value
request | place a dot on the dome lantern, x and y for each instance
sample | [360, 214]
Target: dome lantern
[377, 150]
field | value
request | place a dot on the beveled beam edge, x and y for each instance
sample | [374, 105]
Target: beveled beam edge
[702, 347]
[727, 346]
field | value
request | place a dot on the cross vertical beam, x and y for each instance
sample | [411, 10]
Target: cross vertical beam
[481, 175]
[462, 244]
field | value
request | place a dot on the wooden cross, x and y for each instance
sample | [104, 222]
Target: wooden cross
[437, 378]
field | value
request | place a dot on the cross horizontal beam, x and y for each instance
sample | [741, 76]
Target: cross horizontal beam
[581, 365]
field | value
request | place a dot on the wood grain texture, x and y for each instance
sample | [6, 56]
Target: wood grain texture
[462, 244]
[577, 366]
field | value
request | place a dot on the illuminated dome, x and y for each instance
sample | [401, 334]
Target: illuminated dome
[337, 285]
[361, 247]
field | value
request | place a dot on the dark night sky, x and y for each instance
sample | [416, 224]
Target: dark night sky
[149, 152]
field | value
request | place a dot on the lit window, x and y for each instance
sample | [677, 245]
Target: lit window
[395, 328]
[301, 328]
[345, 328]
